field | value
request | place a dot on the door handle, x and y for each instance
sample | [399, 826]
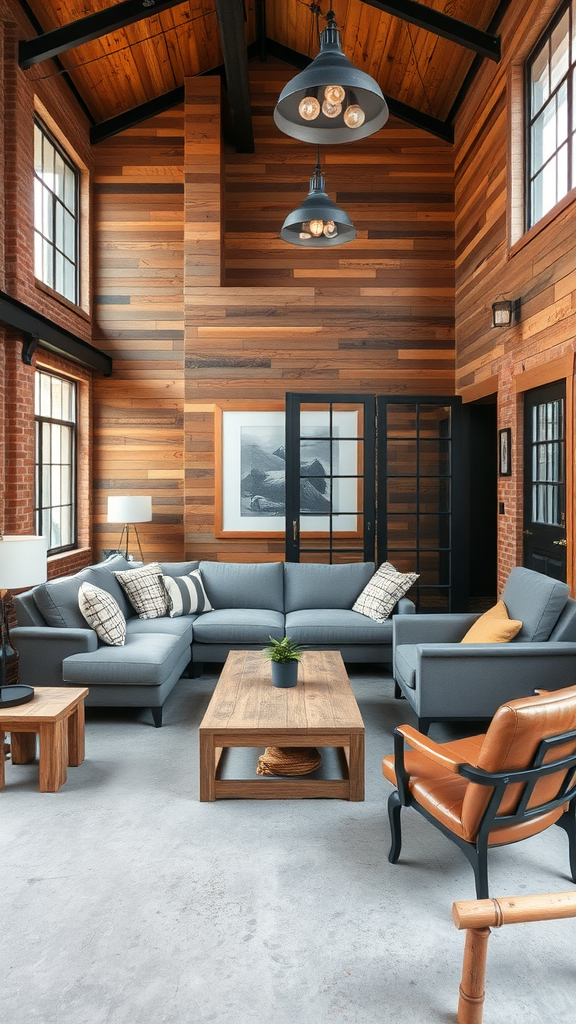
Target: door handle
[527, 533]
[560, 543]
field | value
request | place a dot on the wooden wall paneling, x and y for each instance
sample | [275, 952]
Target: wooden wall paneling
[373, 316]
[539, 268]
[139, 320]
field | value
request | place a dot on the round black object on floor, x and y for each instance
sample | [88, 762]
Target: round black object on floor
[10, 696]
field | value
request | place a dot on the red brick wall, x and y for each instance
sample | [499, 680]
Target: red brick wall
[23, 93]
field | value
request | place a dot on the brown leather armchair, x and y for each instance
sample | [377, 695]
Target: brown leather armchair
[497, 788]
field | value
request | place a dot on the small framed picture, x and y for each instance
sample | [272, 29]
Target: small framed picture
[505, 452]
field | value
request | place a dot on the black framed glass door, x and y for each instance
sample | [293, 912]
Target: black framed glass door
[330, 478]
[545, 480]
[422, 487]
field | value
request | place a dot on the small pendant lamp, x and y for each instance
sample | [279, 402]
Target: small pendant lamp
[331, 101]
[317, 223]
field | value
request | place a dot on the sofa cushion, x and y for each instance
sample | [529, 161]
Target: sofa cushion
[536, 600]
[244, 584]
[317, 585]
[57, 600]
[186, 594]
[178, 568]
[102, 613]
[239, 626]
[405, 664]
[336, 626]
[145, 660]
[182, 626]
[145, 590]
[382, 593]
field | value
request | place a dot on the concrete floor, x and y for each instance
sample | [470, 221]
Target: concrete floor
[126, 901]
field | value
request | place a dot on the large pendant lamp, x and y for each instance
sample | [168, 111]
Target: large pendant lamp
[317, 223]
[331, 101]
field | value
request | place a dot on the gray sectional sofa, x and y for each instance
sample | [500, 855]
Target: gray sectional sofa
[311, 603]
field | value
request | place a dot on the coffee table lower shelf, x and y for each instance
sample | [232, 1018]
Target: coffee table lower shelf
[349, 748]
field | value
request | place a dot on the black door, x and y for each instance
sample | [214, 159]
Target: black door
[330, 460]
[422, 488]
[544, 480]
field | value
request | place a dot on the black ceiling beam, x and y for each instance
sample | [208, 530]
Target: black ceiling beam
[477, 62]
[38, 330]
[484, 43]
[130, 118]
[231, 19]
[76, 33]
[415, 117]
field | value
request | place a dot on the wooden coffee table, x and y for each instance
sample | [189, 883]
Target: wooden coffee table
[246, 710]
[56, 713]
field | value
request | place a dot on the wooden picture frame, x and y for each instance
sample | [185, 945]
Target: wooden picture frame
[505, 452]
[249, 442]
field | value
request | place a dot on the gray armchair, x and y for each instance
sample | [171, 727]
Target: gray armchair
[445, 680]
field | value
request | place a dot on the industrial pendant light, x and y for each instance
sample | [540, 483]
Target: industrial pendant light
[317, 223]
[332, 101]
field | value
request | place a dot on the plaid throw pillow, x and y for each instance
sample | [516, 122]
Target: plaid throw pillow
[103, 614]
[145, 590]
[383, 591]
[186, 594]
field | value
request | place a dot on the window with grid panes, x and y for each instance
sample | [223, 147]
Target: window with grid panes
[56, 208]
[551, 123]
[55, 464]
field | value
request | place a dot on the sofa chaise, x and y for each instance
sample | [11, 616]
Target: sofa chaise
[311, 603]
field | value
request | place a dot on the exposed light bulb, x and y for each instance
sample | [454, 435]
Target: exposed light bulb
[309, 108]
[334, 93]
[331, 109]
[354, 116]
[330, 229]
[316, 227]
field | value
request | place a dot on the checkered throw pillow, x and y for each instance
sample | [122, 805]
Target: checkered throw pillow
[383, 591]
[186, 594]
[145, 590]
[103, 614]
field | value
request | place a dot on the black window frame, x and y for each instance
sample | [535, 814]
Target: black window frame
[39, 506]
[531, 117]
[75, 214]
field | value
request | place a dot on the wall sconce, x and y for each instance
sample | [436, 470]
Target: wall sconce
[505, 312]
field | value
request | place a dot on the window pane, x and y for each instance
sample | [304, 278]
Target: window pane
[59, 234]
[45, 395]
[559, 51]
[56, 398]
[47, 215]
[549, 186]
[562, 187]
[539, 79]
[69, 236]
[69, 188]
[47, 260]
[562, 114]
[37, 149]
[59, 280]
[69, 281]
[55, 451]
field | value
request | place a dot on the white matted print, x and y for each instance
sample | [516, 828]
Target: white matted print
[251, 478]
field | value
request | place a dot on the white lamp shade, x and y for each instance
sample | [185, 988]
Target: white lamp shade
[22, 562]
[130, 508]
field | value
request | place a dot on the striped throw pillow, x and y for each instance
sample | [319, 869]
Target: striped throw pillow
[383, 591]
[186, 594]
[103, 614]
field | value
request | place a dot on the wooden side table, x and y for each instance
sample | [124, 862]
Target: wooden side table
[56, 713]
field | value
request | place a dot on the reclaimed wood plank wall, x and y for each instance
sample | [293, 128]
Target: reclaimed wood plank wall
[494, 258]
[260, 317]
[139, 242]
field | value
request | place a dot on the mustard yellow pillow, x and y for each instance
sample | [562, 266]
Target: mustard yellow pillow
[494, 627]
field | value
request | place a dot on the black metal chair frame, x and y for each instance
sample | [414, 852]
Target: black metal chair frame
[491, 821]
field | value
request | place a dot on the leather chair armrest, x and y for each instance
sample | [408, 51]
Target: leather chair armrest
[440, 753]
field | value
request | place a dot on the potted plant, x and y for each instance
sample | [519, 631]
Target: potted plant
[284, 655]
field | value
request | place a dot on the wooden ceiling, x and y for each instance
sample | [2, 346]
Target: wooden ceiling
[131, 66]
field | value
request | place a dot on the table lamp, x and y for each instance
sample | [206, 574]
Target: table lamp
[22, 564]
[129, 509]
